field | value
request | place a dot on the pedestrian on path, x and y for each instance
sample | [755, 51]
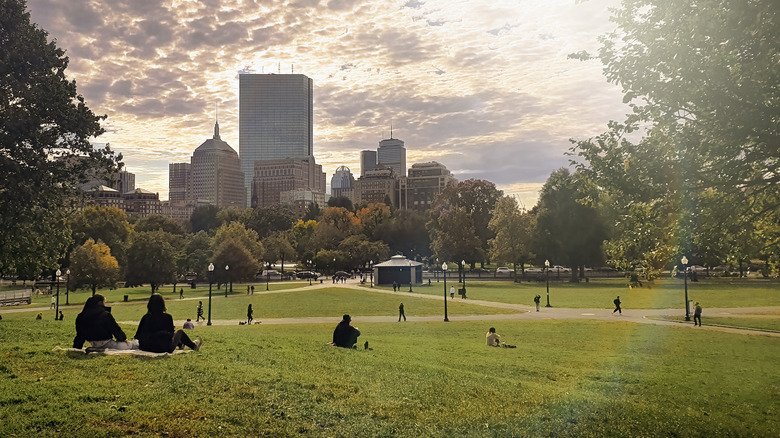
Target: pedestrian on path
[253, 289]
[617, 305]
[181, 293]
[401, 312]
[395, 286]
[200, 312]
[697, 314]
[249, 312]
[452, 292]
[53, 302]
[537, 300]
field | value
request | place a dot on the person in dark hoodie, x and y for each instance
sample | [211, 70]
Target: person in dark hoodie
[156, 332]
[96, 325]
[345, 335]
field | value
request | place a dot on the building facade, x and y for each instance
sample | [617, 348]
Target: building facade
[126, 181]
[377, 185]
[216, 174]
[392, 153]
[272, 177]
[179, 182]
[367, 161]
[276, 119]
[423, 183]
[142, 203]
[342, 183]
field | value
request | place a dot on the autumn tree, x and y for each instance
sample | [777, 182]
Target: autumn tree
[92, 265]
[247, 238]
[372, 216]
[514, 231]
[45, 149]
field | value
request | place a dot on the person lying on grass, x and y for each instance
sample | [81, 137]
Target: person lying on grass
[156, 332]
[96, 325]
[493, 339]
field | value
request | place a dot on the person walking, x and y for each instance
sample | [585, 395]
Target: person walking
[200, 312]
[252, 289]
[697, 314]
[249, 318]
[401, 313]
[181, 293]
[452, 292]
[395, 286]
[617, 305]
[537, 300]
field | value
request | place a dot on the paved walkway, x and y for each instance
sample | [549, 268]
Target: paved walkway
[523, 312]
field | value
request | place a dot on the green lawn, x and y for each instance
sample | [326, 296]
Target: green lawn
[759, 323]
[599, 293]
[566, 378]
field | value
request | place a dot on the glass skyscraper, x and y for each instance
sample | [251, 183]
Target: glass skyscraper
[275, 119]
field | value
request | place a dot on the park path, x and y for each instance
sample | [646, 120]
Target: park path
[522, 312]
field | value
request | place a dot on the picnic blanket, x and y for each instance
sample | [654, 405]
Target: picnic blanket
[109, 352]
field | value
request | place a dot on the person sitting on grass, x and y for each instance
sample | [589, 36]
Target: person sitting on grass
[345, 335]
[493, 339]
[156, 332]
[96, 325]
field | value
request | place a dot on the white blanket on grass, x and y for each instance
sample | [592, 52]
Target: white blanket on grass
[109, 352]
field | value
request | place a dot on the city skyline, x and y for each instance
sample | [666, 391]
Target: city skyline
[483, 87]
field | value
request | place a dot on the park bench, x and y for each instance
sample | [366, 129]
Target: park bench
[15, 298]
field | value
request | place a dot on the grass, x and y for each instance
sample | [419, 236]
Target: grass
[567, 378]
[757, 323]
[599, 293]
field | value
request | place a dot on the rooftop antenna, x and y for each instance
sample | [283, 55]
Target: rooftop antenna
[216, 121]
[292, 68]
[391, 129]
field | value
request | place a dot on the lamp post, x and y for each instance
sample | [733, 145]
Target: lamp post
[211, 276]
[227, 275]
[308, 263]
[684, 261]
[463, 262]
[411, 276]
[371, 267]
[57, 302]
[436, 270]
[67, 288]
[267, 276]
[444, 270]
[547, 275]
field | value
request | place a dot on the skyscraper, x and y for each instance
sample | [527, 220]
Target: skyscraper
[216, 174]
[392, 154]
[367, 161]
[275, 120]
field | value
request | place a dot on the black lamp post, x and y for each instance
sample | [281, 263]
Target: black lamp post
[227, 274]
[411, 276]
[371, 267]
[211, 276]
[57, 303]
[67, 288]
[463, 262]
[444, 270]
[684, 261]
[547, 275]
[308, 264]
[436, 270]
[267, 276]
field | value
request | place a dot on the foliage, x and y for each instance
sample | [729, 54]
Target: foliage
[277, 247]
[45, 152]
[204, 218]
[453, 234]
[359, 250]
[372, 216]
[341, 201]
[246, 238]
[92, 265]
[514, 230]
[336, 223]
[405, 233]
[266, 220]
[243, 264]
[150, 259]
[197, 253]
[302, 233]
[156, 222]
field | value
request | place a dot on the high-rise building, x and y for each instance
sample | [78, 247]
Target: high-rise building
[272, 177]
[275, 119]
[342, 183]
[378, 185]
[216, 174]
[367, 161]
[179, 181]
[126, 181]
[424, 182]
[392, 154]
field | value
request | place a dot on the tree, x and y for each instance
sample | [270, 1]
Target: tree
[514, 231]
[302, 234]
[150, 259]
[45, 152]
[340, 201]
[453, 235]
[372, 216]
[278, 248]
[405, 233]
[266, 220]
[91, 264]
[359, 250]
[197, 254]
[157, 222]
[243, 265]
[204, 218]
[473, 197]
[246, 238]
[567, 231]
[336, 223]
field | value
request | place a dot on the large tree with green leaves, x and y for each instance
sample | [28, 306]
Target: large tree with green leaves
[151, 259]
[45, 128]
[514, 230]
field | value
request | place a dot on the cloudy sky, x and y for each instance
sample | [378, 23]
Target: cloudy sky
[482, 86]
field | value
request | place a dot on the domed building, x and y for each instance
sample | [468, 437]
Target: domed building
[216, 174]
[342, 183]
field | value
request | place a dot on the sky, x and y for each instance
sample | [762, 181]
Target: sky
[481, 86]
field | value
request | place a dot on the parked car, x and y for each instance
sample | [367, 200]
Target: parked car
[305, 275]
[270, 274]
[533, 270]
[560, 268]
[503, 270]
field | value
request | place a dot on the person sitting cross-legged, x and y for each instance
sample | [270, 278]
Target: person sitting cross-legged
[493, 339]
[96, 325]
[345, 335]
[156, 332]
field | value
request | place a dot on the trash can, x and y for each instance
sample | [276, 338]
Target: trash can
[125, 298]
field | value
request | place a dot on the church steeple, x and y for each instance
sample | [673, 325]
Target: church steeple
[216, 124]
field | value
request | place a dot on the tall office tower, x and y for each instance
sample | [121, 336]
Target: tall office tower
[275, 120]
[216, 174]
[126, 181]
[392, 154]
[179, 181]
[367, 161]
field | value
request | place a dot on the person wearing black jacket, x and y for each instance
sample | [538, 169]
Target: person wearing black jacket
[156, 332]
[345, 335]
[96, 325]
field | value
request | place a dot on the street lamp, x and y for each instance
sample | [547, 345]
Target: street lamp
[444, 269]
[547, 274]
[463, 262]
[211, 276]
[227, 274]
[67, 288]
[267, 276]
[57, 306]
[371, 267]
[411, 276]
[684, 261]
[308, 263]
[436, 270]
